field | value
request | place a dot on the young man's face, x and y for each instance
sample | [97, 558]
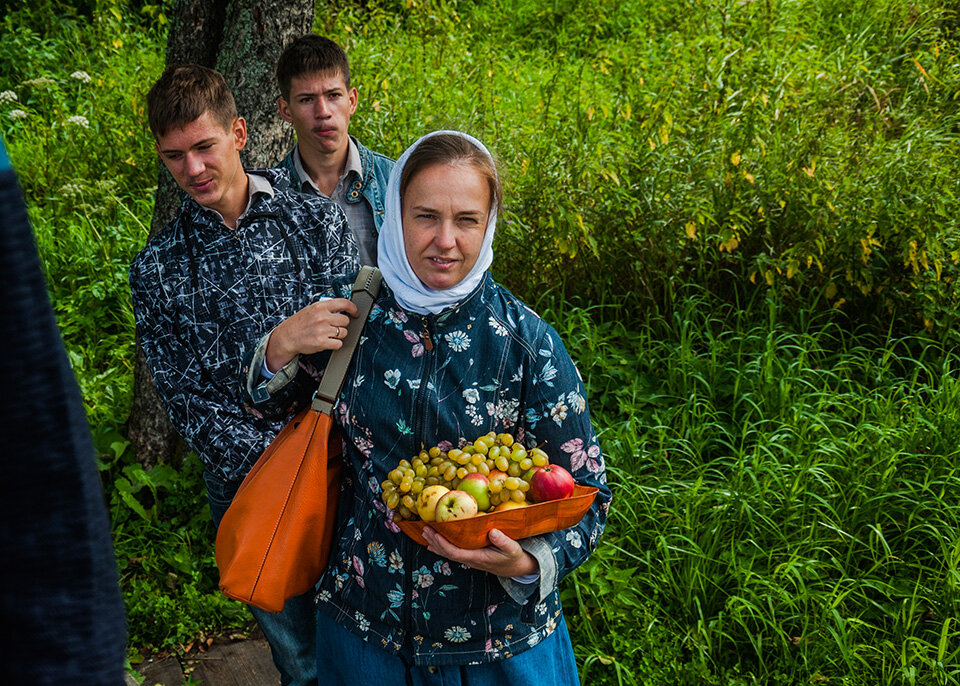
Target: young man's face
[320, 108]
[204, 159]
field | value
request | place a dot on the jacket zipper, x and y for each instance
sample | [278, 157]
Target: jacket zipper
[427, 340]
[408, 544]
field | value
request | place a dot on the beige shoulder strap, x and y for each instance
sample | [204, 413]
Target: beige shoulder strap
[365, 291]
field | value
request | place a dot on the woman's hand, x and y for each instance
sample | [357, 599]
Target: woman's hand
[321, 325]
[504, 558]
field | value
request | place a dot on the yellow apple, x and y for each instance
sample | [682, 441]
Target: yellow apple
[427, 502]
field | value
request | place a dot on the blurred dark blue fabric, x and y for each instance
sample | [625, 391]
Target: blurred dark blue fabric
[60, 604]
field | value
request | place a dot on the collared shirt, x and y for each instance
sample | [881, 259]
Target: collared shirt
[256, 184]
[359, 215]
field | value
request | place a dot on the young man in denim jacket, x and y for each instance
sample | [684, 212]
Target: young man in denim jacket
[243, 253]
[316, 97]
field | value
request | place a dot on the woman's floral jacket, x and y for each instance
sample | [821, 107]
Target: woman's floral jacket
[487, 364]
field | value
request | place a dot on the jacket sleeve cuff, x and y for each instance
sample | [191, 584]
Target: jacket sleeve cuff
[261, 388]
[521, 593]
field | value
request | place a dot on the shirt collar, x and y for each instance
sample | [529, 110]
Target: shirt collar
[353, 165]
[256, 185]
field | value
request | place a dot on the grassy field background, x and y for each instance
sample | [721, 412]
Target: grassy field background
[741, 216]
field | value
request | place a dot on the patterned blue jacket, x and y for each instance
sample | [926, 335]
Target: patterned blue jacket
[487, 364]
[203, 293]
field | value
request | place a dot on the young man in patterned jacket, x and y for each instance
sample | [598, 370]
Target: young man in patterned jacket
[316, 97]
[243, 253]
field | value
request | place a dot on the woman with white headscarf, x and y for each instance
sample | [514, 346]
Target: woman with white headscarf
[446, 355]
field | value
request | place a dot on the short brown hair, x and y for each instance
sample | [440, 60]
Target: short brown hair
[183, 93]
[447, 148]
[311, 54]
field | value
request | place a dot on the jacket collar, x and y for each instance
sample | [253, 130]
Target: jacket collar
[363, 177]
[264, 184]
[471, 305]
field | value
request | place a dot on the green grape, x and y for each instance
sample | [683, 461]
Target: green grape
[526, 463]
[524, 485]
[463, 458]
[511, 483]
[434, 461]
[409, 502]
[421, 470]
[514, 469]
[396, 476]
[434, 452]
[494, 498]
[432, 480]
[393, 500]
[518, 453]
[406, 484]
[476, 459]
[418, 485]
[405, 513]
[518, 496]
[404, 464]
[384, 485]
[506, 440]
[462, 472]
[483, 468]
[493, 452]
[450, 472]
[503, 463]
[539, 459]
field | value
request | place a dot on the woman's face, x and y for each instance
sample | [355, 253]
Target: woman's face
[445, 210]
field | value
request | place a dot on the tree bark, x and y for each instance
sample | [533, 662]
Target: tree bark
[243, 40]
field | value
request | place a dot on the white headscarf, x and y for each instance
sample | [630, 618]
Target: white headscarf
[392, 260]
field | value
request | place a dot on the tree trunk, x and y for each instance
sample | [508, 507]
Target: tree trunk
[243, 40]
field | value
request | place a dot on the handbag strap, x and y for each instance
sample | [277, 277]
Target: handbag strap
[365, 291]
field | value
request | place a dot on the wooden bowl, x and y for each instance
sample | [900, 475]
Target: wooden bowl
[520, 522]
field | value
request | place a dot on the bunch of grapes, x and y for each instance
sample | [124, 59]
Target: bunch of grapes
[506, 463]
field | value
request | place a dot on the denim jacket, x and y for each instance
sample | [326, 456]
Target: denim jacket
[486, 364]
[371, 188]
[202, 293]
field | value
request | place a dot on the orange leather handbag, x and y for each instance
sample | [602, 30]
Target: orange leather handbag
[275, 538]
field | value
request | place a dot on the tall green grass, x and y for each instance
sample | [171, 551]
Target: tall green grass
[785, 500]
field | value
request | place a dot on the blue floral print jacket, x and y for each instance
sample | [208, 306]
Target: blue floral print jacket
[487, 364]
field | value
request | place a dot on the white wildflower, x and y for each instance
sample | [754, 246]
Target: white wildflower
[39, 81]
[79, 120]
[81, 76]
[6, 97]
[17, 114]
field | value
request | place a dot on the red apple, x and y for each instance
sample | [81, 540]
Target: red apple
[476, 484]
[456, 505]
[551, 482]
